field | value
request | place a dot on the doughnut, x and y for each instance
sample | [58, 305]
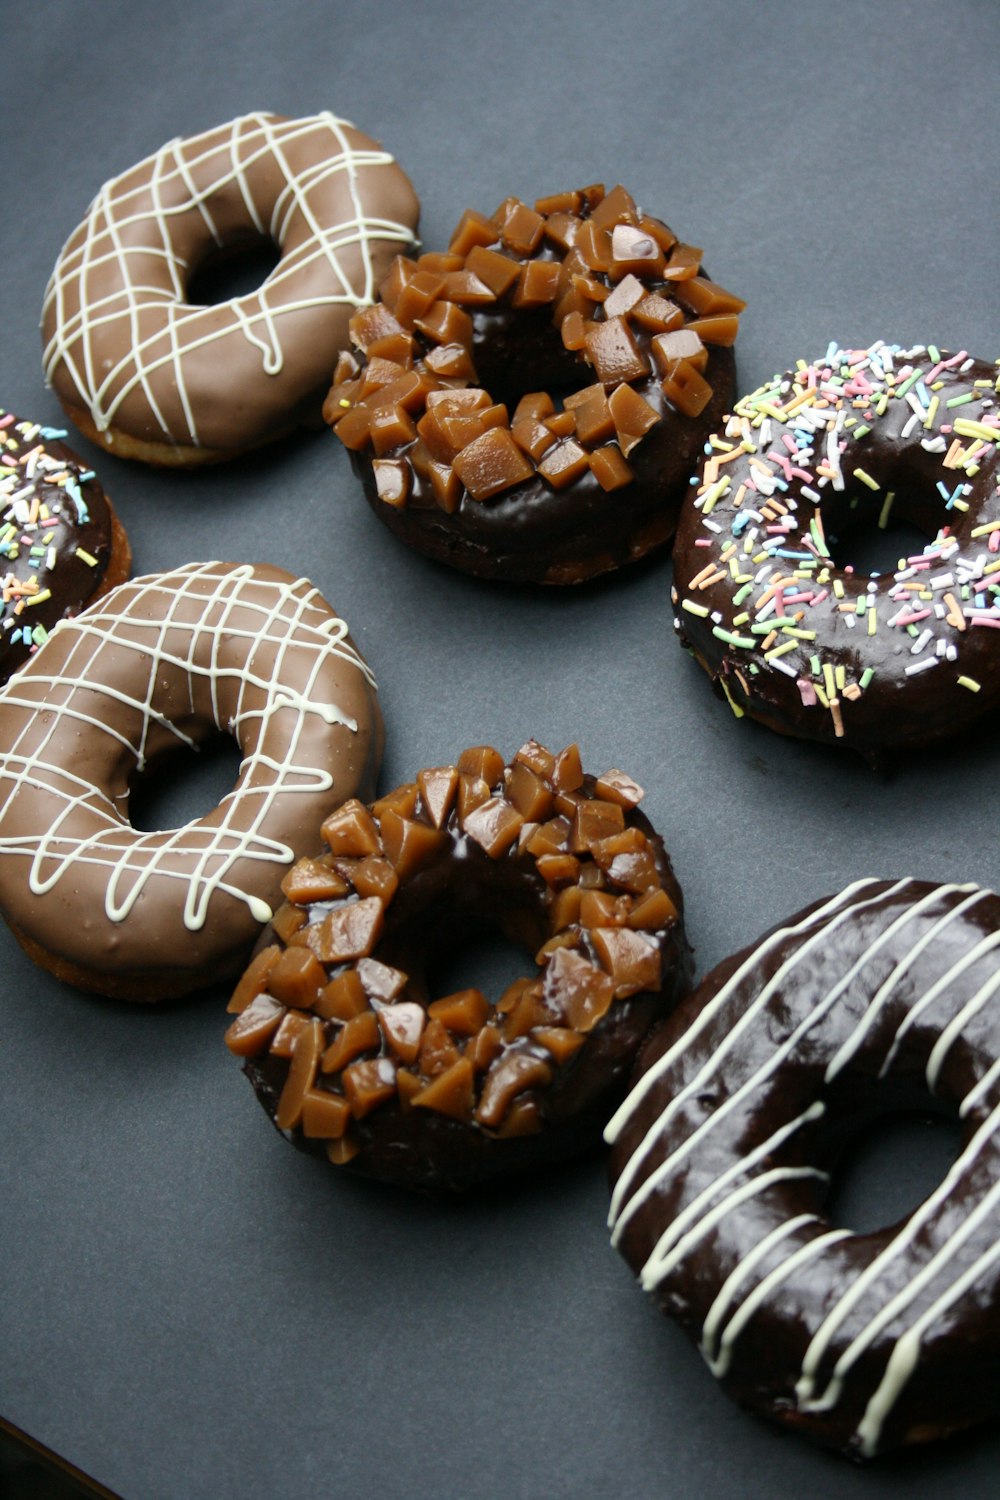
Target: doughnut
[885, 996]
[167, 661]
[765, 596]
[62, 544]
[351, 1054]
[141, 370]
[529, 406]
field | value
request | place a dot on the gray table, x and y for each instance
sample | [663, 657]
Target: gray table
[188, 1307]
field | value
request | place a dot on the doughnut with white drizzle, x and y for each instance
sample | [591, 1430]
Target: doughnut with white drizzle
[884, 995]
[166, 661]
[147, 374]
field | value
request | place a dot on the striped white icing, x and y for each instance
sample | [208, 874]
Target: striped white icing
[943, 980]
[210, 622]
[102, 280]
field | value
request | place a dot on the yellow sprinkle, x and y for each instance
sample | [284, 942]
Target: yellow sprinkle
[701, 610]
[838, 588]
[840, 673]
[824, 700]
[343, 403]
[872, 621]
[781, 650]
[741, 618]
[985, 530]
[967, 428]
[932, 411]
[883, 519]
[85, 556]
[828, 679]
[739, 712]
[970, 683]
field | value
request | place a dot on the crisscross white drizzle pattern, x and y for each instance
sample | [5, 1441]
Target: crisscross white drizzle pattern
[912, 1282]
[121, 271]
[224, 627]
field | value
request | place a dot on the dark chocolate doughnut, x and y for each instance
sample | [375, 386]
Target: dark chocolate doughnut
[351, 1056]
[884, 996]
[61, 543]
[148, 374]
[461, 450]
[790, 633]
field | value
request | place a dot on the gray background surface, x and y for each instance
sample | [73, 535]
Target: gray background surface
[190, 1309]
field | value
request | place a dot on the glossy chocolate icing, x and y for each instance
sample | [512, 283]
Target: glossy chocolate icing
[789, 632]
[458, 889]
[57, 535]
[169, 660]
[887, 994]
[147, 374]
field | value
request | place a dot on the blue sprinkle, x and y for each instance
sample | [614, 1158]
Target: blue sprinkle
[53, 433]
[73, 491]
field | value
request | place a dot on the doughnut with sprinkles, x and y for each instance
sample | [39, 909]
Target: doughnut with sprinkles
[765, 596]
[147, 374]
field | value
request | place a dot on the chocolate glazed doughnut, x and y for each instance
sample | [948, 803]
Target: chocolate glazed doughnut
[62, 544]
[348, 1052]
[147, 374]
[766, 598]
[883, 996]
[582, 303]
[166, 661]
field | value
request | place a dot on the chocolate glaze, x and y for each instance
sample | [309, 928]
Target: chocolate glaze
[457, 893]
[926, 636]
[168, 660]
[184, 384]
[885, 994]
[59, 533]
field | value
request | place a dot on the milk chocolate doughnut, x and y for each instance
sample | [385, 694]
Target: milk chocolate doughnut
[766, 599]
[62, 545]
[142, 371]
[166, 661]
[463, 452]
[352, 1057]
[884, 996]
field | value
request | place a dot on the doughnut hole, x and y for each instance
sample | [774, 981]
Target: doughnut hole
[889, 1166]
[870, 549]
[235, 270]
[184, 784]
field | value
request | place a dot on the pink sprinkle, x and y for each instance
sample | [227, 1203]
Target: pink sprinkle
[779, 602]
[982, 619]
[956, 359]
[994, 541]
[807, 691]
[818, 598]
[913, 617]
[702, 541]
[6, 421]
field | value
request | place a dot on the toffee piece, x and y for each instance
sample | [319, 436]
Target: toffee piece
[530, 404]
[352, 1056]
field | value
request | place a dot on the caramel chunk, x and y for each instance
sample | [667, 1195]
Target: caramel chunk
[578, 990]
[559, 869]
[593, 246]
[484, 1048]
[491, 464]
[616, 207]
[473, 229]
[632, 960]
[720, 328]
[567, 773]
[686, 389]
[593, 821]
[401, 800]
[254, 1026]
[292, 1024]
[403, 1028]
[343, 998]
[494, 825]
[301, 1075]
[563, 464]
[536, 758]
[609, 468]
[521, 228]
[614, 353]
[451, 1092]
[625, 296]
[683, 264]
[653, 911]
[446, 323]
[368, 1084]
[408, 844]
[537, 284]
[254, 980]
[325, 1116]
[310, 880]
[450, 362]
[632, 415]
[657, 313]
[668, 348]
[437, 1050]
[351, 830]
[296, 978]
[634, 252]
[561, 1041]
[509, 1076]
[287, 921]
[359, 1034]
[382, 982]
[564, 912]
[464, 1013]
[707, 297]
[528, 792]
[438, 785]
[467, 289]
[392, 480]
[615, 786]
[533, 437]
[495, 270]
[350, 931]
[484, 761]
[418, 296]
[375, 876]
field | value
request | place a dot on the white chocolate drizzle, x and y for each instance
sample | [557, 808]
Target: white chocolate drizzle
[186, 622]
[917, 1271]
[102, 279]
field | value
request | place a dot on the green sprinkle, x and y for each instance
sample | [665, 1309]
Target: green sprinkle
[814, 666]
[911, 379]
[742, 593]
[861, 431]
[745, 642]
[934, 353]
[867, 676]
[867, 479]
[959, 400]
